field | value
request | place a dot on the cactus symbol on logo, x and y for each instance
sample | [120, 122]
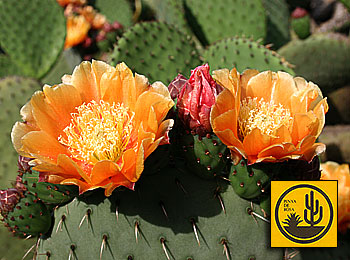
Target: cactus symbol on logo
[313, 214]
[313, 210]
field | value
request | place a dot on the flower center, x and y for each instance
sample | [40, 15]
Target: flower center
[98, 131]
[265, 116]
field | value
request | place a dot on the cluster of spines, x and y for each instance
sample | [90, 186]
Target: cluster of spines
[80, 216]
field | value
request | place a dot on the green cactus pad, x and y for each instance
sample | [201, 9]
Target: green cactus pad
[277, 22]
[161, 217]
[322, 59]
[338, 101]
[32, 33]
[156, 50]
[7, 67]
[242, 54]
[265, 205]
[64, 65]
[14, 93]
[171, 12]
[251, 181]
[115, 10]
[12, 247]
[212, 21]
[337, 140]
[29, 217]
[48, 192]
[205, 156]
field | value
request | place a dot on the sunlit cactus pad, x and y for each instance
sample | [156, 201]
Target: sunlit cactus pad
[212, 21]
[322, 59]
[162, 217]
[242, 54]
[32, 33]
[157, 50]
[14, 93]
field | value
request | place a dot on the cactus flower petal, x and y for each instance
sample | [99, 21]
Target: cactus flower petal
[96, 129]
[334, 171]
[268, 116]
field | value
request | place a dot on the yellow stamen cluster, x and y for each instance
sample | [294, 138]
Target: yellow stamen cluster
[265, 116]
[98, 131]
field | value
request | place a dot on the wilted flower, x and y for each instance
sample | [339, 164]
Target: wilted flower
[268, 116]
[96, 128]
[96, 19]
[80, 19]
[77, 30]
[334, 171]
[195, 97]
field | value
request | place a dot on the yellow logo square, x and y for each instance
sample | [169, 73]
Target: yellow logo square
[304, 213]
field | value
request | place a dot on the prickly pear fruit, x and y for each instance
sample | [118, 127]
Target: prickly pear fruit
[205, 156]
[301, 23]
[24, 214]
[250, 181]
[29, 180]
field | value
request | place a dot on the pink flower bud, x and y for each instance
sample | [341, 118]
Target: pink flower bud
[195, 99]
[299, 13]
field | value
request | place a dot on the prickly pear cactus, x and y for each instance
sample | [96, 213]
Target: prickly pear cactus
[14, 93]
[7, 67]
[156, 50]
[277, 24]
[115, 10]
[171, 12]
[28, 216]
[251, 181]
[47, 192]
[243, 53]
[32, 33]
[173, 215]
[205, 156]
[322, 59]
[212, 21]
[64, 65]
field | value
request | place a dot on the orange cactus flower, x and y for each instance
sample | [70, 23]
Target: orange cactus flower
[334, 171]
[96, 128]
[268, 116]
[77, 30]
